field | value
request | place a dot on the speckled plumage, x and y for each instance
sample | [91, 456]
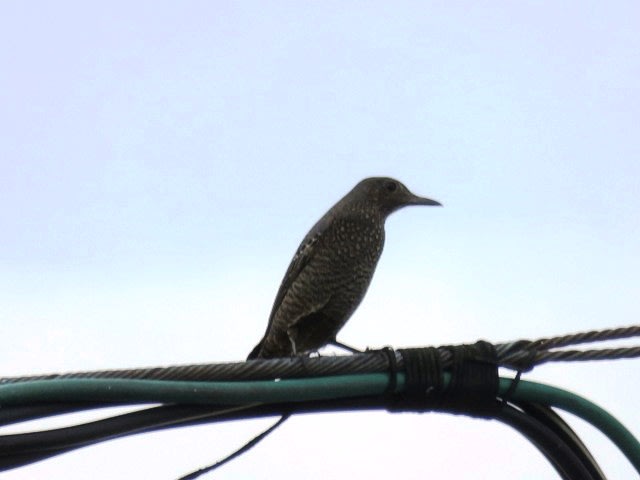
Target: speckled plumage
[331, 270]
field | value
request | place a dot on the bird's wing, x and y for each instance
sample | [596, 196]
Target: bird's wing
[304, 254]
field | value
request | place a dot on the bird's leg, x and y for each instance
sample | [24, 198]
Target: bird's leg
[344, 346]
[291, 334]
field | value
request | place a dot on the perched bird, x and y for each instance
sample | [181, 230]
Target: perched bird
[332, 269]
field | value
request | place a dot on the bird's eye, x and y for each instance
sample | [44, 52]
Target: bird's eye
[391, 186]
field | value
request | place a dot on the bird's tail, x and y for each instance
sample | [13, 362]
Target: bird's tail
[257, 350]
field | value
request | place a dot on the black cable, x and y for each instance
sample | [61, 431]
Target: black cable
[23, 413]
[77, 436]
[26, 448]
[552, 420]
[555, 422]
[565, 461]
[23, 459]
[152, 419]
[20, 449]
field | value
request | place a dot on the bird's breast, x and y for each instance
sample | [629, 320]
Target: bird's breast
[357, 240]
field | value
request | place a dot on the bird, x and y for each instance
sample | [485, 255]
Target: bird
[332, 269]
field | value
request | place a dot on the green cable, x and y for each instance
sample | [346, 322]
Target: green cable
[581, 407]
[292, 390]
[169, 391]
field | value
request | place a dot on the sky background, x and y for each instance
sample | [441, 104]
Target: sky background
[161, 161]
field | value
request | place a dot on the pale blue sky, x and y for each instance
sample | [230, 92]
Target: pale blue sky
[160, 162]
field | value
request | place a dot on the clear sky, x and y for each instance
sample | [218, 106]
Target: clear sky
[160, 162]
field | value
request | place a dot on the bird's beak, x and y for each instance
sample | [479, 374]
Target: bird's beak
[416, 200]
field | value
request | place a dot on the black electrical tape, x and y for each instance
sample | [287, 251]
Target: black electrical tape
[423, 380]
[472, 388]
[474, 378]
[393, 371]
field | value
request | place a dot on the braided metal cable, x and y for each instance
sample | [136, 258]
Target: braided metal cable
[525, 354]
[589, 337]
[586, 355]
[289, 367]
[519, 355]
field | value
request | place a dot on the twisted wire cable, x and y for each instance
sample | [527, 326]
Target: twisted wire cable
[525, 354]
[518, 355]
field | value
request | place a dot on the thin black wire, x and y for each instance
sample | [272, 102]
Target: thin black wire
[242, 450]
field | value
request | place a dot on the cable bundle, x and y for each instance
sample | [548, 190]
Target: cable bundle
[462, 379]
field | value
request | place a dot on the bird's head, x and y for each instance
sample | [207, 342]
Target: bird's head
[388, 195]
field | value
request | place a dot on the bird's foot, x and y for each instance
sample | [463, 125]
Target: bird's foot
[302, 358]
[344, 346]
